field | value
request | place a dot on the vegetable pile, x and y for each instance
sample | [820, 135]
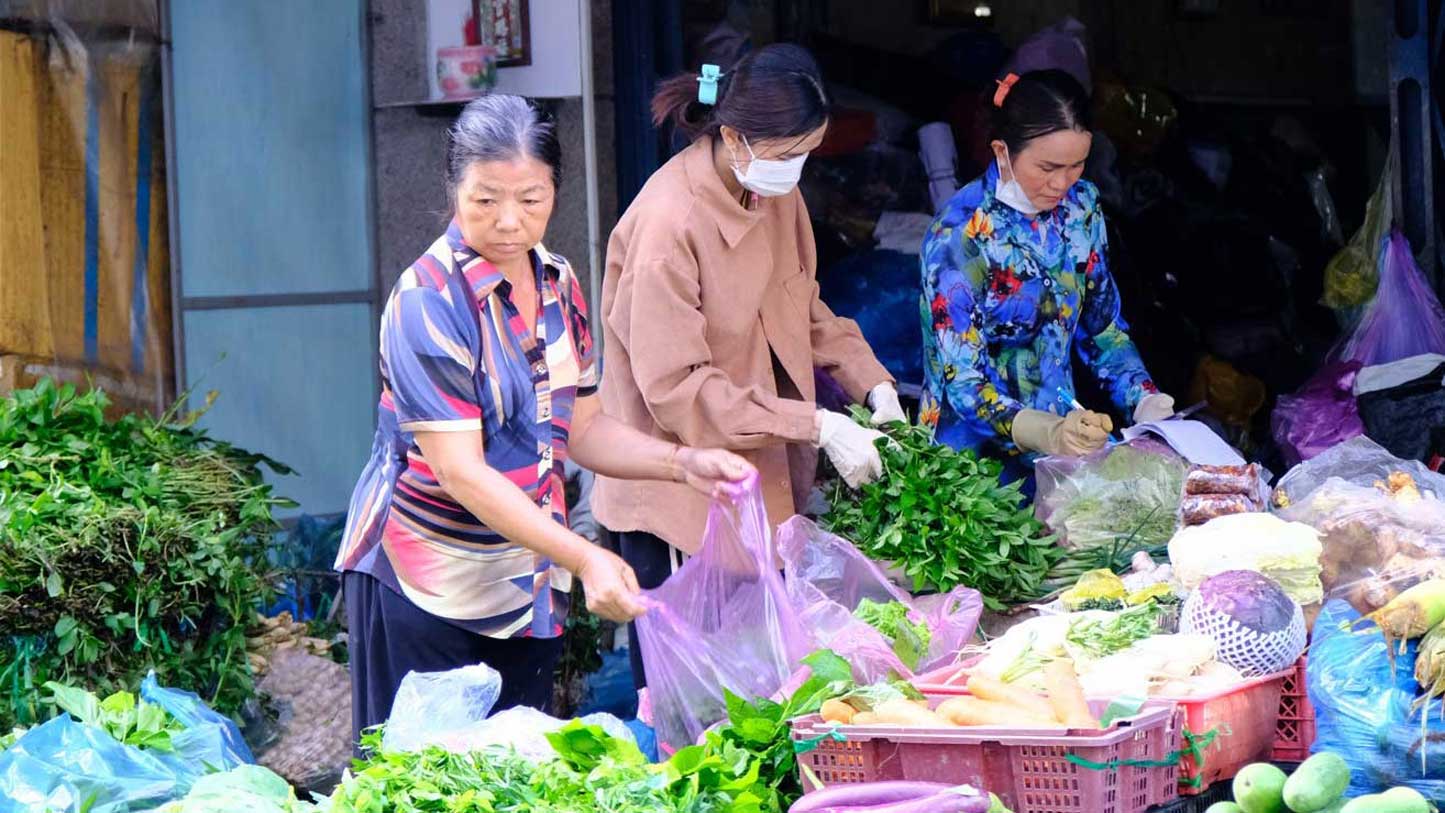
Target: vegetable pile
[910, 639]
[125, 546]
[944, 518]
[747, 765]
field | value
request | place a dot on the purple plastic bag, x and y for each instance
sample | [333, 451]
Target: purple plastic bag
[827, 577]
[723, 620]
[1322, 414]
[1404, 319]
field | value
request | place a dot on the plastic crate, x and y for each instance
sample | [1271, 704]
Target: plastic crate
[1295, 732]
[1242, 720]
[1029, 770]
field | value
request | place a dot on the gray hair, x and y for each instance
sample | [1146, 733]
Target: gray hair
[502, 127]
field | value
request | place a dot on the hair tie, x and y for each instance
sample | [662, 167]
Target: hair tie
[1004, 86]
[707, 84]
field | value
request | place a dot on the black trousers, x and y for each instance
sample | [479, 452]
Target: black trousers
[389, 636]
[652, 560]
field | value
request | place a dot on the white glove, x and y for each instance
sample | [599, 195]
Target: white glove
[886, 409]
[850, 448]
[1154, 407]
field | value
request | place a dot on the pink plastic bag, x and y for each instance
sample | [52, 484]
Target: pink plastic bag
[826, 579]
[1404, 319]
[721, 621]
[1323, 413]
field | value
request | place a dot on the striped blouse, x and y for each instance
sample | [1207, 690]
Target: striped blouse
[456, 356]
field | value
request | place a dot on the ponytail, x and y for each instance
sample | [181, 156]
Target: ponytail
[776, 91]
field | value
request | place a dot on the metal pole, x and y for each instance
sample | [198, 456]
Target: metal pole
[1413, 183]
[173, 215]
[589, 164]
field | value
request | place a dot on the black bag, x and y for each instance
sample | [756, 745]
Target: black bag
[1402, 417]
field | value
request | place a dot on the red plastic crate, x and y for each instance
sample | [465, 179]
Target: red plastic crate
[1295, 731]
[1029, 770]
[1243, 719]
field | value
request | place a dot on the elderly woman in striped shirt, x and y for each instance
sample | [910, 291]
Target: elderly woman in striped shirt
[456, 549]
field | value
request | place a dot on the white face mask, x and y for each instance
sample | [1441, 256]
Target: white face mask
[770, 178]
[1010, 193]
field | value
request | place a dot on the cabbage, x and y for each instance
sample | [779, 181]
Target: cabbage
[1287, 552]
[1252, 600]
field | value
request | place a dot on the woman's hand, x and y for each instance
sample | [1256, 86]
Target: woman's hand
[709, 470]
[610, 586]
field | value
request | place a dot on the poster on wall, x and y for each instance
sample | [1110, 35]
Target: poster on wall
[506, 26]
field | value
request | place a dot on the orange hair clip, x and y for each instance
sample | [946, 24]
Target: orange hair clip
[1004, 86]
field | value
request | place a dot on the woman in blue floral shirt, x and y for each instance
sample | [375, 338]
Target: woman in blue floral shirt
[1016, 280]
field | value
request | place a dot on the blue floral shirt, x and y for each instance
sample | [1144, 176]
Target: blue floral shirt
[1006, 300]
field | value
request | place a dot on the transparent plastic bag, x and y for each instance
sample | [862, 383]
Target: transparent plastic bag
[1363, 698]
[1321, 415]
[827, 578]
[433, 706]
[1351, 275]
[1381, 525]
[1125, 495]
[722, 621]
[1404, 319]
[63, 763]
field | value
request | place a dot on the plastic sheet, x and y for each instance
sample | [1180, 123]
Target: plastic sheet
[430, 706]
[1362, 700]
[449, 709]
[1322, 414]
[1382, 529]
[827, 577]
[65, 766]
[1404, 319]
[247, 789]
[722, 621]
[1125, 495]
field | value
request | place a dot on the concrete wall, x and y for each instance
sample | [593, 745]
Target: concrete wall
[410, 141]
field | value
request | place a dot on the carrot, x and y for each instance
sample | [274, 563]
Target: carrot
[987, 688]
[966, 711]
[836, 711]
[1066, 695]
[905, 712]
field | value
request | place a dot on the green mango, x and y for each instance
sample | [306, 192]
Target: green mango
[1259, 788]
[1317, 783]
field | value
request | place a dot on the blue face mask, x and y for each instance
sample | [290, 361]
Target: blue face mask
[1010, 193]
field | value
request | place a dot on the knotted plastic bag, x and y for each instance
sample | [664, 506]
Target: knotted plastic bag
[1321, 415]
[722, 621]
[1404, 319]
[827, 578]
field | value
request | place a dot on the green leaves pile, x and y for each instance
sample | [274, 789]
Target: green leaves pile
[942, 516]
[133, 722]
[745, 766]
[125, 545]
[1103, 637]
[910, 638]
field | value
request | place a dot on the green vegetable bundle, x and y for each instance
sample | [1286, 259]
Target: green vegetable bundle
[943, 516]
[125, 546]
[910, 639]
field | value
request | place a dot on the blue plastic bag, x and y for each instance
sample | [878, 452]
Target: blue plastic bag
[65, 766]
[1362, 708]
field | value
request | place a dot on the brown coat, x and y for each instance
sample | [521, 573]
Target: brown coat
[700, 296]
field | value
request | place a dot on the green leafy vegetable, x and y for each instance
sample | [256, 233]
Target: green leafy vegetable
[121, 715]
[943, 516]
[910, 638]
[125, 545]
[744, 766]
[1103, 637]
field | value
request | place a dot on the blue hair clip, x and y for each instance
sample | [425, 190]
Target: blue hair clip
[707, 84]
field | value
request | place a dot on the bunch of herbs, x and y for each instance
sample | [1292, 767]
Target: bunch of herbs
[943, 516]
[125, 546]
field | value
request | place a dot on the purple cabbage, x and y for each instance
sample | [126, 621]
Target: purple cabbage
[1252, 600]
